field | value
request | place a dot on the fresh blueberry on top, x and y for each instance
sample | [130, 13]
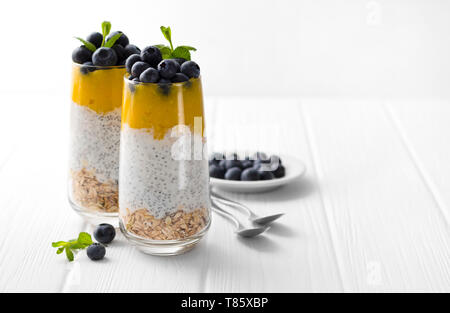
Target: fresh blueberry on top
[120, 51]
[233, 173]
[190, 69]
[249, 174]
[131, 60]
[279, 172]
[168, 68]
[150, 75]
[104, 57]
[131, 49]
[81, 55]
[123, 40]
[216, 171]
[151, 55]
[138, 68]
[96, 251]
[232, 163]
[104, 233]
[87, 67]
[95, 39]
[180, 60]
[266, 175]
[179, 78]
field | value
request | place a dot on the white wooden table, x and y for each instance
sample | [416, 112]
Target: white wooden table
[372, 213]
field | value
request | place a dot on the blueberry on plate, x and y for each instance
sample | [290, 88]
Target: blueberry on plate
[168, 68]
[216, 171]
[81, 55]
[87, 67]
[179, 78]
[95, 38]
[104, 57]
[120, 51]
[151, 55]
[266, 175]
[247, 164]
[190, 69]
[232, 163]
[131, 49]
[104, 233]
[180, 60]
[222, 164]
[123, 40]
[233, 173]
[150, 75]
[138, 68]
[279, 172]
[249, 174]
[96, 251]
[131, 60]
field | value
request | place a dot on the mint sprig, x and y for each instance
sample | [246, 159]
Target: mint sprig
[87, 44]
[84, 240]
[112, 40]
[168, 52]
[106, 28]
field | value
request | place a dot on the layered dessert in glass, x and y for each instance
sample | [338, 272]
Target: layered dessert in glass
[164, 180]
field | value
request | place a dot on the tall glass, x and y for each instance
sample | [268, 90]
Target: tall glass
[164, 180]
[95, 141]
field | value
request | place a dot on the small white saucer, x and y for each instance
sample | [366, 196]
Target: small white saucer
[294, 169]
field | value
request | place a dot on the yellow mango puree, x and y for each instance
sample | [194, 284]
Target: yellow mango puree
[147, 107]
[100, 90]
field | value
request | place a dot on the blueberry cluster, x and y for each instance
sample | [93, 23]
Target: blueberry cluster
[149, 67]
[258, 167]
[104, 56]
[104, 234]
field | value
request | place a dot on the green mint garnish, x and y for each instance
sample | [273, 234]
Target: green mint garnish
[106, 28]
[112, 40]
[168, 52]
[87, 44]
[84, 240]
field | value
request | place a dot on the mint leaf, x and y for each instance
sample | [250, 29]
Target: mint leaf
[188, 48]
[168, 35]
[60, 250]
[84, 239]
[106, 28]
[69, 254]
[58, 244]
[165, 52]
[87, 44]
[181, 52]
[112, 40]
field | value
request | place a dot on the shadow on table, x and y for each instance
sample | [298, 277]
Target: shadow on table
[260, 243]
[297, 189]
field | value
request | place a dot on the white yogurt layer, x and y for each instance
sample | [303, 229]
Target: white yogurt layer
[95, 142]
[152, 179]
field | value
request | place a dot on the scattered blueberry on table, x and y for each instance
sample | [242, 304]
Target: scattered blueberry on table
[257, 167]
[104, 233]
[96, 251]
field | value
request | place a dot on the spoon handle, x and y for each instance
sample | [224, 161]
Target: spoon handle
[225, 214]
[231, 202]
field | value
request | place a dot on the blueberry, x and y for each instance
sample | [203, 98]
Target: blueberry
[266, 175]
[216, 171]
[150, 75]
[138, 68]
[81, 55]
[247, 164]
[131, 60]
[87, 67]
[179, 78]
[222, 164]
[168, 68]
[104, 233]
[123, 40]
[131, 77]
[249, 174]
[104, 57]
[261, 165]
[233, 173]
[151, 55]
[190, 69]
[180, 60]
[232, 163]
[120, 51]
[131, 49]
[279, 172]
[96, 251]
[96, 39]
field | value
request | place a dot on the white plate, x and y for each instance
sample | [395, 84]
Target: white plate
[294, 169]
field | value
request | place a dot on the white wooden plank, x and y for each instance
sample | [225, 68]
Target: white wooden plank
[296, 254]
[387, 229]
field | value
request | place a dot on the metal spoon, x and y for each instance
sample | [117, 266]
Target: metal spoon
[261, 220]
[240, 229]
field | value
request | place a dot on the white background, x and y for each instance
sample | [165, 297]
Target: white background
[352, 48]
